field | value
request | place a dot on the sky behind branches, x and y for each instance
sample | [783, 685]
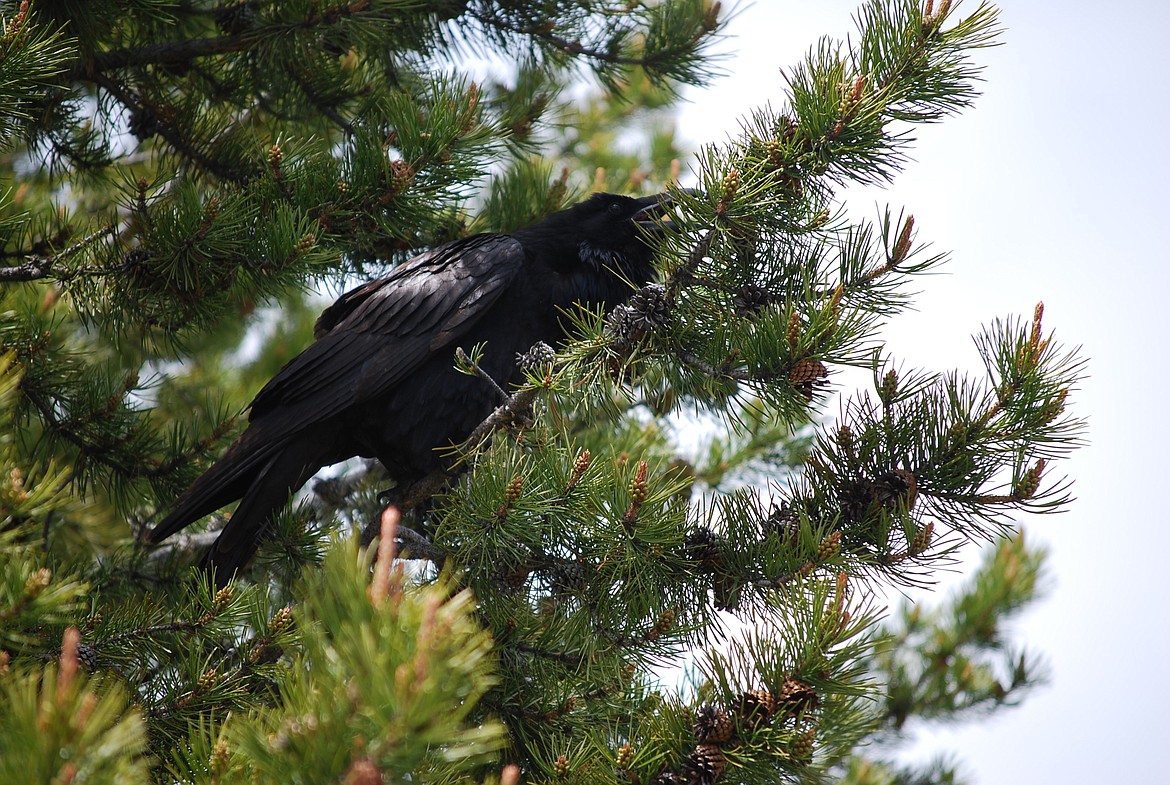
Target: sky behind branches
[1052, 187]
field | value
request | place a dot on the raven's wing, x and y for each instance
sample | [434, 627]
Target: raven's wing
[376, 335]
[369, 340]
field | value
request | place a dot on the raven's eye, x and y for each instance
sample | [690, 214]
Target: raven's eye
[615, 208]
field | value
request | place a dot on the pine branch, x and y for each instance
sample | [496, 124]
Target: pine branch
[545, 33]
[43, 266]
[110, 452]
[187, 145]
[413, 545]
[473, 366]
[684, 273]
[169, 53]
[183, 52]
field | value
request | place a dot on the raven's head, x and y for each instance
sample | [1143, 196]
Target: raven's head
[607, 232]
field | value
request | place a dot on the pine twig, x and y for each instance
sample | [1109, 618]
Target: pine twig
[416, 546]
[684, 272]
[565, 45]
[481, 374]
[40, 267]
[707, 369]
[176, 53]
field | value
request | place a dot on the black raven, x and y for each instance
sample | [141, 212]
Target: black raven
[380, 382]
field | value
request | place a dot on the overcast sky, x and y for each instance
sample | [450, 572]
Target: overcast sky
[1052, 187]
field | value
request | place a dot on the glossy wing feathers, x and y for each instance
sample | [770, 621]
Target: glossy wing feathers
[375, 335]
[368, 342]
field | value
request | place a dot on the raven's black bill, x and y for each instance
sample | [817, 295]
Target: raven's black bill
[655, 215]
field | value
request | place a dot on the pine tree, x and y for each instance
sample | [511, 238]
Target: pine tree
[183, 181]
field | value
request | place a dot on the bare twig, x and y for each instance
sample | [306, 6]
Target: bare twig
[184, 543]
[40, 267]
[566, 658]
[417, 546]
[707, 369]
[37, 268]
[481, 373]
[563, 44]
[516, 406]
[685, 272]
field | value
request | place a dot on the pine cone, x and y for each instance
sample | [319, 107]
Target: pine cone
[134, 262]
[713, 725]
[859, 498]
[702, 545]
[796, 697]
[514, 577]
[784, 522]
[725, 592]
[236, 18]
[143, 123]
[650, 306]
[618, 327]
[756, 708]
[750, 299]
[802, 748]
[561, 766]
[786, 127]
[808, 377]
[705, 547]
[567, 577]
[829, 547]
[646, 311]
[897, 487]
[704, 765]
[87, 656]
[922, 540]
[536, 358]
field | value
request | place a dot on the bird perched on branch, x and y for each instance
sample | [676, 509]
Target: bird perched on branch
[380, 381]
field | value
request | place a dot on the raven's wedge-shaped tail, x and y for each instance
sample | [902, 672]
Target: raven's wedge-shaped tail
[262, 474]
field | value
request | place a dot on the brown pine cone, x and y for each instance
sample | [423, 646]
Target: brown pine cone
[756, 708]
[704, 764]
[713, 725]
[796, 697]
[808, 376]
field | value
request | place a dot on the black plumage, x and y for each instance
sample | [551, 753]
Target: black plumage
[379, 380]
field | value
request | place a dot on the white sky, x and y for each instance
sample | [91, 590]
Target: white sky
[1052, 187]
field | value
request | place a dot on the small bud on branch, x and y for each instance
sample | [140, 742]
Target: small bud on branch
[69, 664]
[902, 247]
[1030, 483]
[639, 490]
[382, 585]
[793, 330]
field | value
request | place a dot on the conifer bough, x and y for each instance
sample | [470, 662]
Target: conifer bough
[220, 155]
